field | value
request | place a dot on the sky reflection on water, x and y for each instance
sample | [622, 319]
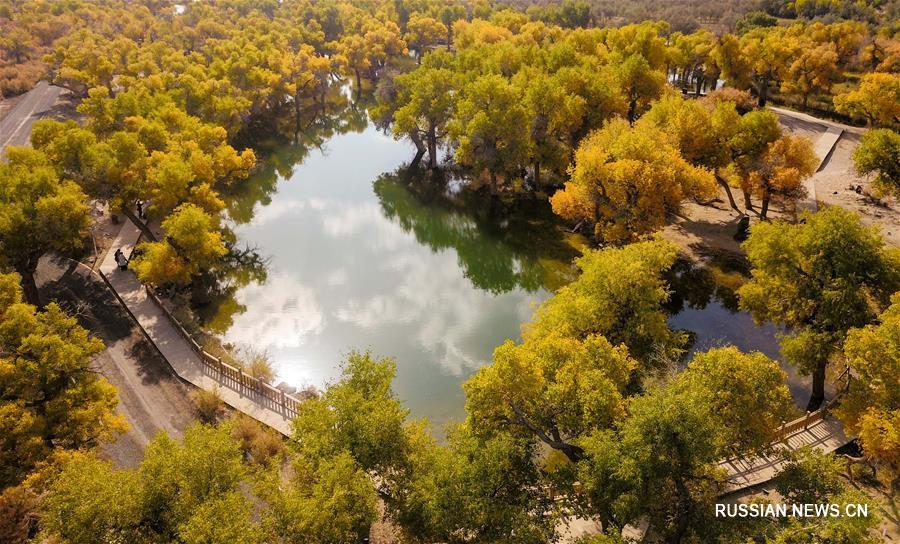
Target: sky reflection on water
[360, 259]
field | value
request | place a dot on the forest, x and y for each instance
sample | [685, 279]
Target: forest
[616, 115]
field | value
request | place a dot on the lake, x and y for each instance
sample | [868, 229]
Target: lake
[363, 255]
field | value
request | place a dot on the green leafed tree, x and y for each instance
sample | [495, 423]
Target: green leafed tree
[812, 477]
[661, 460]
[193, 244]
[878, 154]
[871, 408]
[359, 415]
[328, 500]
[638, 81]
[191, 492]
[474, 488]
[425, 99]
[820, 278]
[491, 128]
[552, 387]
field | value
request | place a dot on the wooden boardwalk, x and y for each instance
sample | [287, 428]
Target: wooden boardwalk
[245, 394]
[819, 430]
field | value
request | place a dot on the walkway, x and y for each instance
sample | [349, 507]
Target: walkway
[151, 396]
[800, 116]
[238, 390]
[819, 430]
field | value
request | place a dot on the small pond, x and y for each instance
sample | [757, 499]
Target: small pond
[359, 256]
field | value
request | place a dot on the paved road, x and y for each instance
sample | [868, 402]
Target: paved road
[151, 397]
[15, 128]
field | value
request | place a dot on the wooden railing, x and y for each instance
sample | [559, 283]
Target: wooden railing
[810, 418]
[232, 377]
[801, 422]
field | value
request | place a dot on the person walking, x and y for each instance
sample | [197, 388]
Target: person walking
[121, 260]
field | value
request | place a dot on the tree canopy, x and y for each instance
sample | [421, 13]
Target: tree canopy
[39, 213]
[52, 400]
[807, 276]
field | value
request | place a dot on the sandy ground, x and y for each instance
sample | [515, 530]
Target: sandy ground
[702, 230]
[836, 185]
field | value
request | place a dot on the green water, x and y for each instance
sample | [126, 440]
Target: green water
[363, 254]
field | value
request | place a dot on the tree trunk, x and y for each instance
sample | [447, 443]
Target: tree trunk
[493, 183]
[818, 387]
[748, 204]
[763, 92]
[420, 147]
[727, 188]
[765, 206]
[29, 288]
[537, 174]
[685, 507]
[296, 117]
[358, 80]
[573, 452]
[632, 110]
[432, 147]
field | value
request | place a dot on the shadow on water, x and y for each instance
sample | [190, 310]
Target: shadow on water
[704, 303]
[500, 246]
[279, 151]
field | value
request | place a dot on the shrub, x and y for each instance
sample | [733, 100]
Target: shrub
[259, 444]
[209, 405]
[743, 101]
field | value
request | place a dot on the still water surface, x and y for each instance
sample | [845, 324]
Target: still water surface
[359, 258]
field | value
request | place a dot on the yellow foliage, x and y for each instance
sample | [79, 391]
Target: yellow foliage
[626, 180]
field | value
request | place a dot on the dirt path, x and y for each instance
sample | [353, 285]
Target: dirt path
[837, 184]
[151, 397]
